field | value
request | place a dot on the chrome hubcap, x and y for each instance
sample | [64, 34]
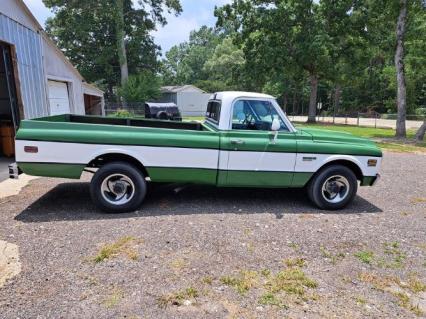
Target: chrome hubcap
[117, 189]
[335, 189]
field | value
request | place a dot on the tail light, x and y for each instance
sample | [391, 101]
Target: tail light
[30, 149]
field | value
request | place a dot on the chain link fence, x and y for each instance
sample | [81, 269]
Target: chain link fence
[377, 120]
[123, 109]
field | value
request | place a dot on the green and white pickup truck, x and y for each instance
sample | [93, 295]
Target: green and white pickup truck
[245, 141]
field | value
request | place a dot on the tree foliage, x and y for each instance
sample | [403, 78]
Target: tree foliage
[141, 87]
[277, 46]
[86, 31]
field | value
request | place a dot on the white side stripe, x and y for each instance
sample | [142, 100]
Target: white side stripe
[149, 156]
[322, 159]
[74, 153]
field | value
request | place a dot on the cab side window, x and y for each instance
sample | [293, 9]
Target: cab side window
[255, 115]
[213, 111]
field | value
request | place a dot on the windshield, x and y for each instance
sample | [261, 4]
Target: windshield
[255, 115]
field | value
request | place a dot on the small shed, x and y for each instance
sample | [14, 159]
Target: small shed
[191, 101]
[36, 79]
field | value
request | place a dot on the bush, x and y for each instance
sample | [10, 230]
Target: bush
[421, 111]
[122, 113]
[141, 87]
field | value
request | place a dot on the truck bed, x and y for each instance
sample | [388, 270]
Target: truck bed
[135, 122]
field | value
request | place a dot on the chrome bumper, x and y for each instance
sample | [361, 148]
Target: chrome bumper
[14, 171]
[378, 176]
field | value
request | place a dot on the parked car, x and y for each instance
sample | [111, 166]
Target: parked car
[245, 141]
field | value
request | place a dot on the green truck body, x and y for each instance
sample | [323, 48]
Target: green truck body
[229, 149]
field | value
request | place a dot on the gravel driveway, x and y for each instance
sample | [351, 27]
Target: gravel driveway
[220, 253]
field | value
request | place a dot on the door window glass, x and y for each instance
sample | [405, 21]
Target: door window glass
[255, 115]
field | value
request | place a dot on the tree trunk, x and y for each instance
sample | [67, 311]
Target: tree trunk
[400, 71]
[121, 45]
[313, 99]
[336, 98]
[420, 135]
[285, 98]
[294, 102]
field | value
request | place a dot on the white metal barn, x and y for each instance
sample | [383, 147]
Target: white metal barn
[36, 79]
[190, 100]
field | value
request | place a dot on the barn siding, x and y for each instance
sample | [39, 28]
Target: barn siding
[30, 65]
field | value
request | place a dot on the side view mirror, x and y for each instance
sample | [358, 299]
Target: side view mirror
[276, 125]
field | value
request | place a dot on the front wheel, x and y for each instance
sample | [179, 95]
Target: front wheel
[118, 187]
[332, 188]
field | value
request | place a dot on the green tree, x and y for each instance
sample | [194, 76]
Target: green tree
[278, 34]
[226, 65]
[184, 64]
[91, 32]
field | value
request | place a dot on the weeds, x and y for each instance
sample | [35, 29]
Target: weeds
[265, 272]
[271, 300]
[415, 285]
[121, 246]
[112, 300]
[293, 245]
[291, 282]
[416, 200]
[177, 298]
[393, 251]
[250, 247]
[294, 262]
[334, 258]
[207, 280]
[378, 282]
[245, 280]
[404, 302]
[365, 256]
[360, 300]
[178, 264]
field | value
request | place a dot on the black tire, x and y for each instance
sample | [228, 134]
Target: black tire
[132, 185]
[345, 194]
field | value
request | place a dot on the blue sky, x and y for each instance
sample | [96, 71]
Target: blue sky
[195, 14]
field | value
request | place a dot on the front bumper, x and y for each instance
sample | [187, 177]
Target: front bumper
[14, 171]
[370, 180]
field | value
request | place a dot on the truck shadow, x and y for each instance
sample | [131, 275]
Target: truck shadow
[71, 201]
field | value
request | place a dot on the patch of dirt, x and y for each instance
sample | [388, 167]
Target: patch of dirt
[12, 187]
[10, 266]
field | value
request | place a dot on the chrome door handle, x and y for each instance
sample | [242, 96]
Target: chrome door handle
[237, 142]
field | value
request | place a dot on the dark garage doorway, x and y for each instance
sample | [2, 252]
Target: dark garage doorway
[92, 104]
[9, 112]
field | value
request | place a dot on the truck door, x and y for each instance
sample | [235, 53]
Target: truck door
[250, 154]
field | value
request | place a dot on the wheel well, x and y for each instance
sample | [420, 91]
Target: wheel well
[351, 165]
[117, 157]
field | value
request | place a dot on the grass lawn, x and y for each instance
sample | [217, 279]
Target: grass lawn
[194, 118]
[362, 131]
[380, 134]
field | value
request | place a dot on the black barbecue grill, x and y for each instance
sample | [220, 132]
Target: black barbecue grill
[162, 111]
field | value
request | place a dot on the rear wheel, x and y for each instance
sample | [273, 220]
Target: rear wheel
[334, 187]
[118, 187]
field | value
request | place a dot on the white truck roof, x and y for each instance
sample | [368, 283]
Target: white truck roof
[239, 94]
[227, 99]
